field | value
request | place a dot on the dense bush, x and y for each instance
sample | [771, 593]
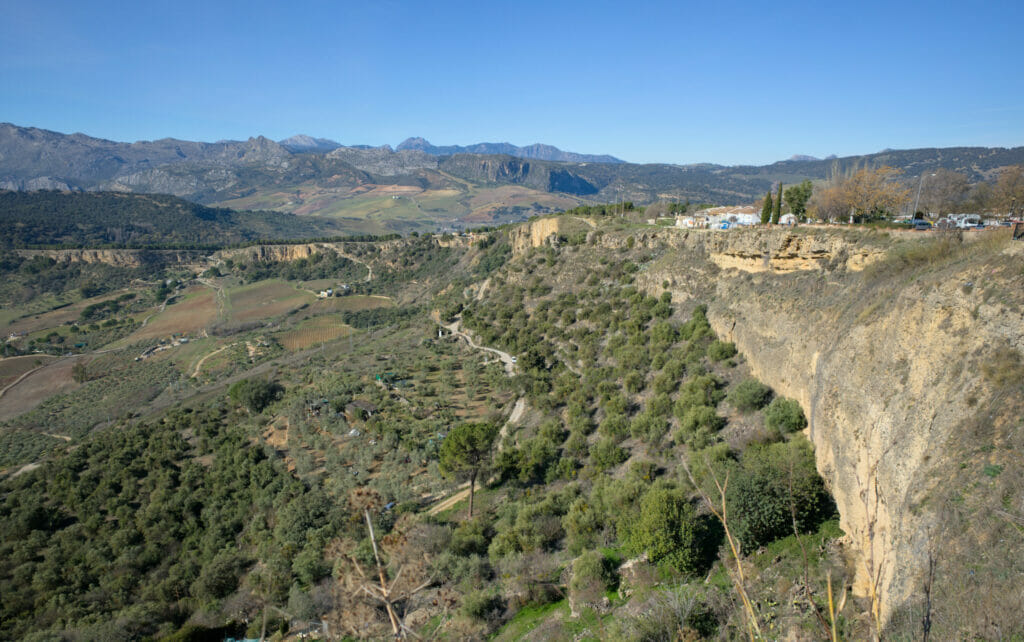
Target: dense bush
[750, 395]
[592, 574]
[667, 530]
[784, 415]
[773, 484]
[606, 454]
[721, 350]
[255, 394]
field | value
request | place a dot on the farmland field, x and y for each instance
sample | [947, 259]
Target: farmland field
[35, 388]
[14, 367]
[352, 303]
[195, 310]
[60, 316]
[313, 331]
[264, 300]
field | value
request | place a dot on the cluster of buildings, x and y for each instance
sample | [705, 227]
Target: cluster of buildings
[723, 218]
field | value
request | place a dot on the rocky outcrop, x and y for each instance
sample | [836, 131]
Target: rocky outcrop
[893, 370]
[120, 258]
[535, 233]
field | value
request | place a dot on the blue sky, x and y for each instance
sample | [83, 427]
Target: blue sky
[677, 82]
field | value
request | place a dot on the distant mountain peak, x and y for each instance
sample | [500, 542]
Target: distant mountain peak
[415, 142]
[803, 157]
[303, 143]
[536, 151]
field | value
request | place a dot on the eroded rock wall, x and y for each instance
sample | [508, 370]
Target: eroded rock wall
[888, 370]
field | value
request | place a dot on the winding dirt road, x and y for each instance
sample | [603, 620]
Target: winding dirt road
[508, 360]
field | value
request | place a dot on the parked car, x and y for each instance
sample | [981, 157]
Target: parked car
[921, 224]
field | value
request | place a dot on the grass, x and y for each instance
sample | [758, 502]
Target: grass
[264, 300]
[13, 367]
[529, 618]
[194, 311]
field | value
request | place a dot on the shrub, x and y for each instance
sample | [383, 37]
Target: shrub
[606, 454]
[591, 576]
[582, 524]
[255, 394]
[750, 395]
[772, 484]
[482, 605]
[784, 415]
[471, 537]
[699, 417]
[667, 530]
[721, 350]
[702, 390]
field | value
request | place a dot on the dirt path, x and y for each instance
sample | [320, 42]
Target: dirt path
[56, 436]
[506, 358]
[452, 500]
[517, 414]
[369, 268]
[163, 306]
[221, 296]
[25, 374]
[202, 360]
[462, 490]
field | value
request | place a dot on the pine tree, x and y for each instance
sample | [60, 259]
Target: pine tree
[777, 214]
[766, 209]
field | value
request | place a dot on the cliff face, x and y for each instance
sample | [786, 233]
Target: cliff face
[894, 372]
[118, 258]
[910, 374]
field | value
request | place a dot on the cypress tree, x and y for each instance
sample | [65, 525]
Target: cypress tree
[766, 209]
[777, 214]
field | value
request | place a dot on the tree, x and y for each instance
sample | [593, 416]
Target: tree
[255, 394]
[667, 530]
[797, 197]
[466, 451]
[777, 213]
[866, 194]
[766, 208]
[944, 190]
[1009, 191]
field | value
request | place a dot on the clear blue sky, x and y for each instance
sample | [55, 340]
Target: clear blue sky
[679, 82]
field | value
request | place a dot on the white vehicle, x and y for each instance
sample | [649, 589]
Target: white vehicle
[967, 221]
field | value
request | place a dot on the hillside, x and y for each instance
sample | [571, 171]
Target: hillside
[858, 389]
[50, 218]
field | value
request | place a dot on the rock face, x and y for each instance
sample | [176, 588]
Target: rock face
[893, 367]
[535, 234]
[119, 258]
[889, 385]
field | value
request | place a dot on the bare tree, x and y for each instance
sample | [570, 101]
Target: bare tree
[944, 190]
[1009, 191]
[372, 597]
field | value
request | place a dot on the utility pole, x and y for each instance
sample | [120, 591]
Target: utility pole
[916, 200]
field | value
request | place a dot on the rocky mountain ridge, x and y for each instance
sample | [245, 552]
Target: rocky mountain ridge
[32, 158]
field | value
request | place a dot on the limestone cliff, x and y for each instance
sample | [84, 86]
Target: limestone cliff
[119, 258]
[910, 375]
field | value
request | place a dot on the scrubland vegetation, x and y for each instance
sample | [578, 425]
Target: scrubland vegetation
[350, 461]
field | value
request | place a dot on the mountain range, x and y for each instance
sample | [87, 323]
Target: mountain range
[477, 184]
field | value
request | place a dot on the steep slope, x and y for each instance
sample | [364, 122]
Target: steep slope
[905, 354]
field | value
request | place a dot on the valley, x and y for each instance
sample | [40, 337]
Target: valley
[200, 439]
